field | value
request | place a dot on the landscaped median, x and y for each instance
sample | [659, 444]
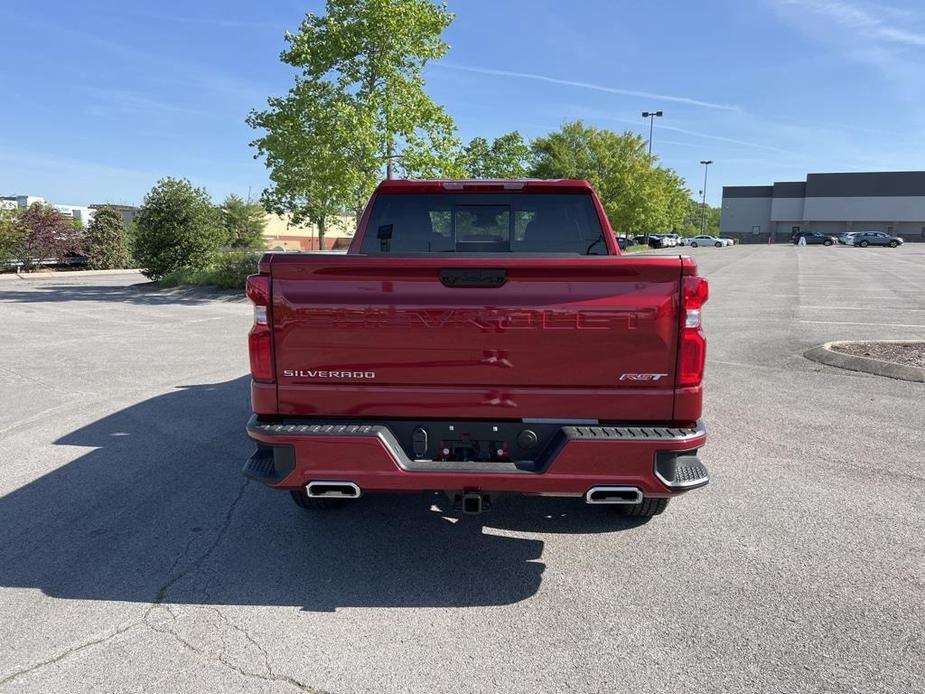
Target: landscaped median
[902, 359]
[227, 270]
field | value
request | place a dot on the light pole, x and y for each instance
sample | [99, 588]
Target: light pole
[651, 115]
[703, 201]
[389, 158]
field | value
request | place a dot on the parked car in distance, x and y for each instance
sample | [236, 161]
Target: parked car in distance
[622, 242]
[706, 240]
[847, 238]
[875, 238]
[814, 238]
[658, 241]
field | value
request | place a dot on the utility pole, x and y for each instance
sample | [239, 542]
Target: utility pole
[703, 202]
[651, 115]
[389, 158]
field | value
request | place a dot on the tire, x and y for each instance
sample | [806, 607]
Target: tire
[718, 244]
[693, 244]
[826, 243]
[304, 501]
[645, 508]
[894, 244]
[864, 244]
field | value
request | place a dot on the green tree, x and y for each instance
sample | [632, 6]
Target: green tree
[105, 241]
[39, 234]
[507, 156]
[358, 105]
[690, 225]
[638, 196]
[244, 222]
[667, 199]
[12, 234]
[616, 165]
[177, 227]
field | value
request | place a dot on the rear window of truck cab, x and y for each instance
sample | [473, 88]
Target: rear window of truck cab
[552, 223]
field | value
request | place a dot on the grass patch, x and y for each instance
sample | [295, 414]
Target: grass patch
[228, 271]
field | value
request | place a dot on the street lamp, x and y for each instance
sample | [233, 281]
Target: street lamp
[703, 201]
[651, 115]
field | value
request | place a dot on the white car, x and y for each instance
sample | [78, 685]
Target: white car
[705, 240]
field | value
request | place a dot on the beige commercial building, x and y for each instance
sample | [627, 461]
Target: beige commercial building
[282, 235]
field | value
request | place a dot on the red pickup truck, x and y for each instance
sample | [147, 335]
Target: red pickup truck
[478, 338]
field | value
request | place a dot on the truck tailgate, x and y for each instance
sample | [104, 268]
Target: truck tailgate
[484, 337]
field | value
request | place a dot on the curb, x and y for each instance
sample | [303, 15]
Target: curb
[825, 355]
[62, 275]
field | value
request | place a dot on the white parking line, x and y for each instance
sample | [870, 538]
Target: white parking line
[885, 325]
[863, 308]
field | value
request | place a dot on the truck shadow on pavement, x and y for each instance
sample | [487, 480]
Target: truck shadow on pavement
[143, 293]
[154, 509]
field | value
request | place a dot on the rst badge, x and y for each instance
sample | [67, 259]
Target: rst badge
[641, 377]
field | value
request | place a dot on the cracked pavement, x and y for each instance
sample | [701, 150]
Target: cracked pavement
[135, 558]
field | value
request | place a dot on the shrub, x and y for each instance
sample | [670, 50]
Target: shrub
[105, 241]
[229, 271]
[177, 228]
[39, 234]
[12, 234]
[244, 222]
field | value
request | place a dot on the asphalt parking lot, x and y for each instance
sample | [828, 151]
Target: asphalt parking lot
[135, 557]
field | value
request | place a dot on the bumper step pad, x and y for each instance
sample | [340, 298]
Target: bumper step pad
[681, 471]
[270, 464]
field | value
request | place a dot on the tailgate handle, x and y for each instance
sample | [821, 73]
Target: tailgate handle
[473, 277]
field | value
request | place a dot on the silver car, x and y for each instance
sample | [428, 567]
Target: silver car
[705, 240]
[875, 238]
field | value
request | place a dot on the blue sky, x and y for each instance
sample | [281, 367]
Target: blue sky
[100, 99]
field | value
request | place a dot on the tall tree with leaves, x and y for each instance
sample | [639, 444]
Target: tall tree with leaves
[638, 196]
[12, 233]
[40, 234]
[616, 165]
[244, 222]
[176, 227]
[105, 240]
[508, 156]
[357, 107]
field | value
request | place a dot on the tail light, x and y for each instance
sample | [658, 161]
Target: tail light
[692, 352]
[260, 338]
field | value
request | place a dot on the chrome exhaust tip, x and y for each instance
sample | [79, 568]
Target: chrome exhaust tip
[333, 490]
[613, 495]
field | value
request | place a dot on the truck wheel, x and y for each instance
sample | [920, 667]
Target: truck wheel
[303, 500]
[646, 507]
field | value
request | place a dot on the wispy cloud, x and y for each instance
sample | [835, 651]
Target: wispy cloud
[153, 65]
[582, 112]
[587, 85]
[120, 101]
[875, 22]
[222, 22]
[91, 180]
